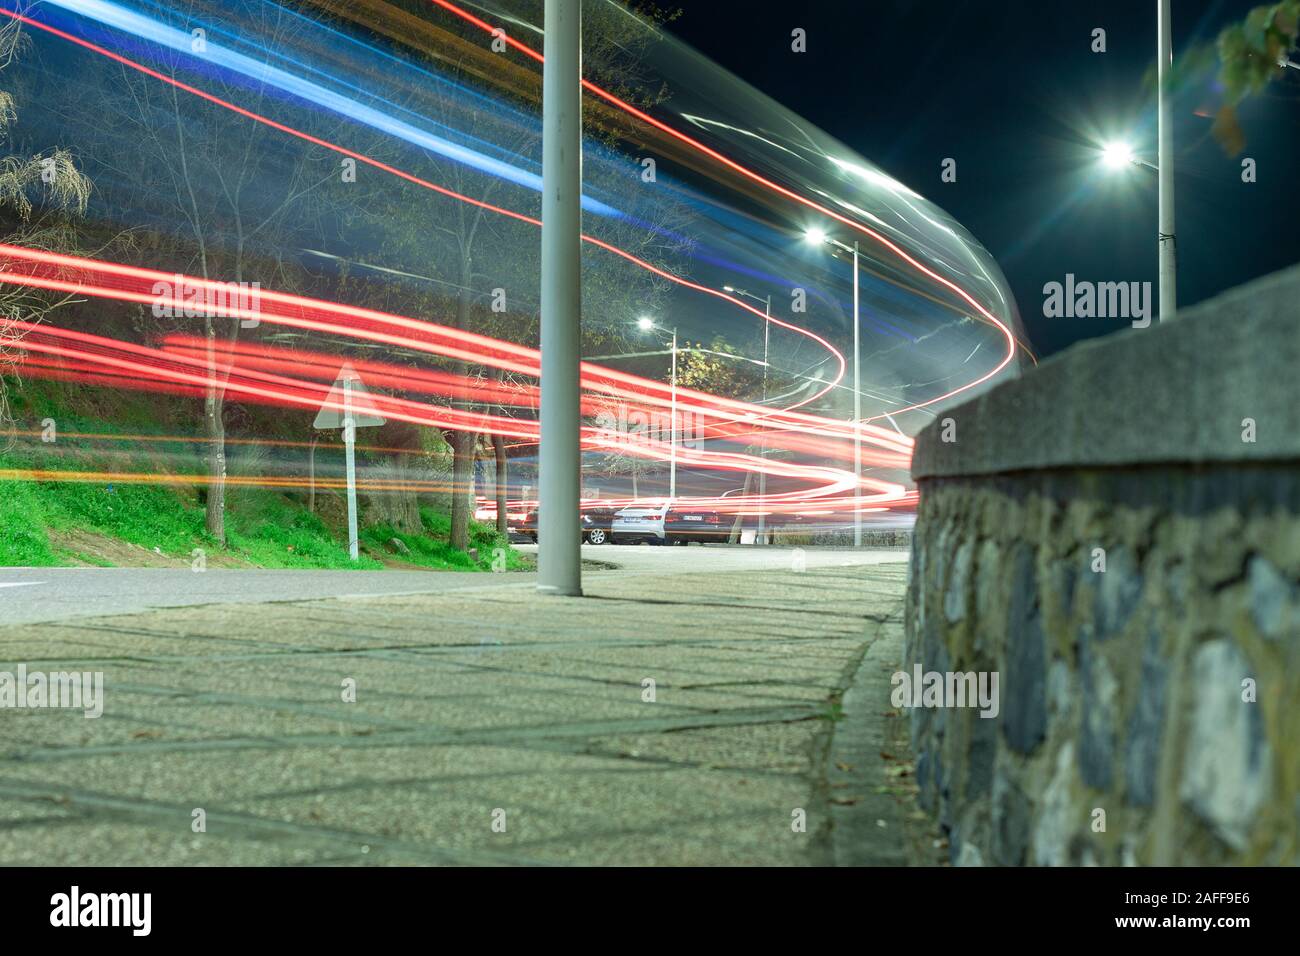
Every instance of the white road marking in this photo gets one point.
(19, 584)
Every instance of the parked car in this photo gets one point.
(639, 523)
(595, 525)
(684, 524)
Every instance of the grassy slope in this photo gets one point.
(265, 527)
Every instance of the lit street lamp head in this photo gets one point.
(1117, 155)
(815, 235)
(645, 323)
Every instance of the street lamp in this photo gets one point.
(1165, 159)
(818, 236)
(760, 536)
(647, 324)
(1117, 154)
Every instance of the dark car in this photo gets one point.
(684, 524)
(527, 527)
(595, 525)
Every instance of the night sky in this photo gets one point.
(1013, 92)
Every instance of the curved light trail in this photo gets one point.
(442, 190)
(189, 369)
(300, 378)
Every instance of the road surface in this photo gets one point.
(698, 706)
(36, 595)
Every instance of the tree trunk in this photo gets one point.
(215, 428)
(463, 441)
(499, 447)
(216, 495)
(462, 474)
(635, 494)
(396, 504)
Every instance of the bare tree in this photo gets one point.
(39, 196)
(235, 190)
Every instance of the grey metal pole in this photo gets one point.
(560, 485)
(672, 460)
(761, 536)
(857, 408)
(350, 453)
(1165, 162)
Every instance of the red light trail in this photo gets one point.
(441, 190)
(173, 368)
(800, 431)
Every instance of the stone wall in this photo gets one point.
(1142, 612)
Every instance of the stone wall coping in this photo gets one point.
(1176, 392)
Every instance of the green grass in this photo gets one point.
(23, 542)
(263, 527)
(151, 516)
(278, 535)
(91, 559)
(491, 545)
(433, 550)
(426, 552)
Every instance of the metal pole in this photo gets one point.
(857, 408)
(761, 537)
(672, 461)
(560, 484)
(349, 445)
(1165, 162)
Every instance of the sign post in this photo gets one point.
(348, 406)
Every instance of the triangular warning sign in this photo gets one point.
(348, 391)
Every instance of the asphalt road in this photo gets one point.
(42, 595)
(699, 706)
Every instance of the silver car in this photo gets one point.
(638, 523)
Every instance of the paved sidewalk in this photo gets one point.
(474, 706)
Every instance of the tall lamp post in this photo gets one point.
(560, 454)
(760, 537)
(1118, 155)
(647, 324)
(1168, 244)
(819, 237)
